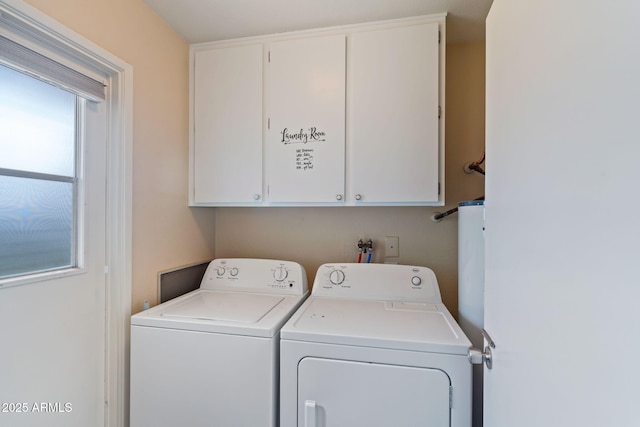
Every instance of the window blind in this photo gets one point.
(28, 61)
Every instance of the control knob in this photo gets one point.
(336, 277)
(280, 274)
(416, 281)
(220, 271)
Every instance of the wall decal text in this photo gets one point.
(302, 137)
(304, 159)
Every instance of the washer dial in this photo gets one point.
(280, 274)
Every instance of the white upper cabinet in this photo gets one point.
(340, 116)
(305, 144)
(393, 127)
(226, 147)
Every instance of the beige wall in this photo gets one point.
(313, 236)
(166, 233)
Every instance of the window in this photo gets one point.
(38, 175)
(42, 119)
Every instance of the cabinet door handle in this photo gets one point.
(358, 196)
(338, 196)
(256, 197)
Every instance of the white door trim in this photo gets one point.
(119, 194)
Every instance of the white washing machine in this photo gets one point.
(373, 346)
(210, 357)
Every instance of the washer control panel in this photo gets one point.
(377, 281)
(255, 275)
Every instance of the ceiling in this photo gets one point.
(209, 20)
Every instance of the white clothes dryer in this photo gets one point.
(373, 346)
(210, 357)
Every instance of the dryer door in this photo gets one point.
(334, 393)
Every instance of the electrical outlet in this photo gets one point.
(391, 246)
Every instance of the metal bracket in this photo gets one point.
(487, 337)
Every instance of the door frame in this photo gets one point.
(118, 195)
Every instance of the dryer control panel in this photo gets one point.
(389, 282)
(255, 275)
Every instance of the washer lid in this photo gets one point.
(224, 306)
(236, 313)
(398, 325)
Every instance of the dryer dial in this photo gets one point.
(336, 277)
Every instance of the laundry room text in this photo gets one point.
(302, 137)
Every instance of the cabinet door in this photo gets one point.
(307, 120)
(227, 146)
(393, 140)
